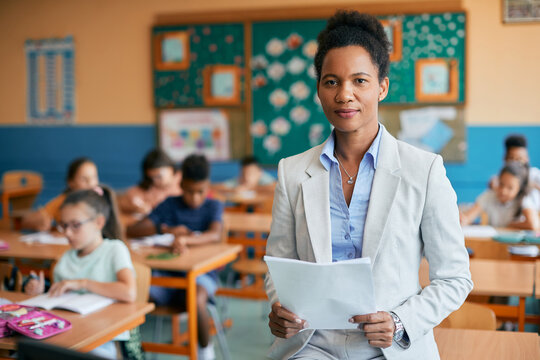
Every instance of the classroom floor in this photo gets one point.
(248, 339)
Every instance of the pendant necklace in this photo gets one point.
(350, 181)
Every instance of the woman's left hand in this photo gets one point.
(61, 287)
(379, 328)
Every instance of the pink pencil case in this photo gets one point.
(4, 245)
(11, 311)
(39, 324)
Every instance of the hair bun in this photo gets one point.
(364, 22)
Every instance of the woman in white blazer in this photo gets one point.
(362, 193)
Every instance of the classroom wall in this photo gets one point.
(114, 86)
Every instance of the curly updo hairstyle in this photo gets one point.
(348, 28)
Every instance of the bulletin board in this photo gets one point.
(185, 56)
(271, 57)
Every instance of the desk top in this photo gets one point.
(248, 222)
(89, 330)
(195, 259)
(18, 249)
(483, 344)
(537, 278)
(495, 277)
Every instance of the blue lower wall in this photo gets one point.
(118, 150)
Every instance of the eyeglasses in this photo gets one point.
(74, 226)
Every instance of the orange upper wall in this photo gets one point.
(113, 70)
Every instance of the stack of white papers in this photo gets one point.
(164, 240)
(325, 295)
(479, 231)
(44, 238)
(527, 250)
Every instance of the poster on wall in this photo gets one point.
(202, 131)
(50, 81)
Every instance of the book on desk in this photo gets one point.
(72, 301)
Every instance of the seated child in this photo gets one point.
(193, 219)
(252, 177)
(82, 174)
(516, 150)
(93, 264)
(161, 179)
(511, 203)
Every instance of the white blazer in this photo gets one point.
(412, 212)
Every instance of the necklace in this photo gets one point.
(350, 181)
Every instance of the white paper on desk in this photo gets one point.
(479, 231)
(326, 295)
(164, 240)
(44, 238)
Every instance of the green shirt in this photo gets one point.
(102, 264)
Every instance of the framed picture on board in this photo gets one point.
(516, 11)
(187, 131)
(393, 30)
(436, 80)
(221, 85)
(171, 50)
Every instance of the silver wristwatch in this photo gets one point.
(399, 330)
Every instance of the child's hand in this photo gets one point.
(179, 245)
(177, 231)
(36, 285)
(61, 287)
(45, 221)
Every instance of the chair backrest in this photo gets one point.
(8, 273)
(144, 275)
(471, 316)
(249, 230)
(22, 178)
(20, 189)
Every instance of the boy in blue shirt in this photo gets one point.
(193, 219)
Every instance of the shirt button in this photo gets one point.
(350, 255)
(347, 236)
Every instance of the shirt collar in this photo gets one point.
(327, 156)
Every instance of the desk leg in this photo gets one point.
(521, 314)
(192, 315)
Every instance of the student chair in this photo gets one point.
(471, 316)
(249, 230)
(11, 278)
(20, 189)
(143, 275)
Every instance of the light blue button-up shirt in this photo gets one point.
(347, 222)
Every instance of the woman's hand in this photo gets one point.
(379, 328)
(36, 285)
(283, 323)
(62, 287)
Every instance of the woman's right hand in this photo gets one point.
(283, 323)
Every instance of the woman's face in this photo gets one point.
(508, 187)
(86, 177)
(349, 89)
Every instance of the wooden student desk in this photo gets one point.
(21, 250)
(498, 278)
(196, 261)
(485, 247)
(91, 330)
(462, 344)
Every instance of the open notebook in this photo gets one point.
(80, 303)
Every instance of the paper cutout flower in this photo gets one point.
(299, 115)
(229, 39)
(259, 62)
(272, 144)
(259, 81)
(275, 47)
(310, 49)
(258, 128)
(279, 98)
(294, 41)
(315, 134)
(296, 65)
(280, 126)
(212, 47)
(317, 101)
(276, 71)
(311, 72)
(299, 90)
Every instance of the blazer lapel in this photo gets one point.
(316, 196)
(383, 191)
